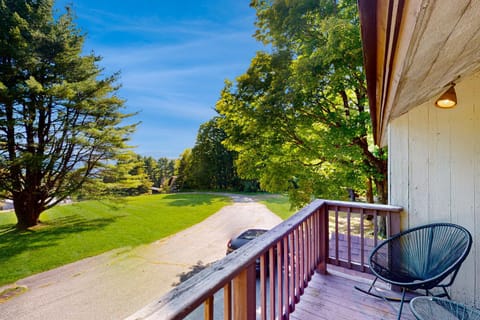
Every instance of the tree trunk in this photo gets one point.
(369, 193)
(27, 209)
(382, 192)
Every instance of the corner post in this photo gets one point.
(244, 294)
(323, 229)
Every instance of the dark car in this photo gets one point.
(244, 238)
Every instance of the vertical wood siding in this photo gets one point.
(434, 173)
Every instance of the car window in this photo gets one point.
(252, 234)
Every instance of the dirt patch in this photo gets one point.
(11, 293)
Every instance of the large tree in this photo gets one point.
(60, 118)
(182, 171)
(212, 163)
(299, 116)
(127, 177)
(159, 171)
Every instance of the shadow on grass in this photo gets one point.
(14, 242)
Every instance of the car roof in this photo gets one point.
(252, 233)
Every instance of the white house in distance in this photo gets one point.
(414, 51)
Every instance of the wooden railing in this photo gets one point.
(265, 278)
(364, 225)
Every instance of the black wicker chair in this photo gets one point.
(424, 257)
(432, 308)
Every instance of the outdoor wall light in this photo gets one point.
(448, 99)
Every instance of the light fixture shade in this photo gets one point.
(448, 99)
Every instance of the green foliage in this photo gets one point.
(298, 118)
(159, 171)
(60, 118)
(211, 165)
(97, 226)
(183, 170)
(126, 177)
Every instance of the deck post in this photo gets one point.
(393, 224)
(244, 294)
(393, 227)
(323, 229)
(208, 308)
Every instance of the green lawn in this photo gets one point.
(278, 204)
(73, 232)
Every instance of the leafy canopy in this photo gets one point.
(298, 117)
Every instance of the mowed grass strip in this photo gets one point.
(278, 204)
(72, 232)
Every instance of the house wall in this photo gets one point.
(434, 173)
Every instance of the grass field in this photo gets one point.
(73, 232)
(278, 204)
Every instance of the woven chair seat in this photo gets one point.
(432, 308)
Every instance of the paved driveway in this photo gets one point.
(118, 283)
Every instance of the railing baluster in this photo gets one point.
(362, 240)
(301, 249)
(227, 301)
(336, 237)
(286, 271)
(291, 249)
(349, 238)
(297, 265)
(271, 279)
(208, 308)
(305, 255)
(280, 278)
(263, 288)
(308, 244)
(317, 238)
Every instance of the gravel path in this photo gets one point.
(118, 283)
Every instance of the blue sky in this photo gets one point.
(174, 57)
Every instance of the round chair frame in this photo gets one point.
(424, 257)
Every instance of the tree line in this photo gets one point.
(296, 121)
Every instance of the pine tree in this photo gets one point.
(60, 117)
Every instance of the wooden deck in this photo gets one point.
(333, 296)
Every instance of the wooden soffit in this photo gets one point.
(413, 50)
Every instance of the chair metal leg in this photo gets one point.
(446, 293)
(401, 304)
(373, 293)
(373, 283)
(402, 300)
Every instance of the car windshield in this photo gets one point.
(252, 234)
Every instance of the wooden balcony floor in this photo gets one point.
(333, 296)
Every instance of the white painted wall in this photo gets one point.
(434, 173)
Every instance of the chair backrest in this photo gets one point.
(422, 256)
